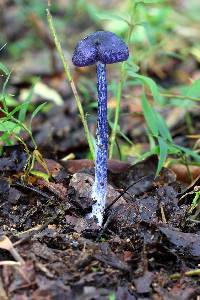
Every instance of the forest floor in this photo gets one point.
(149, 245)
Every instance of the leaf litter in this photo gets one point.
(145, 250)
(148, 247)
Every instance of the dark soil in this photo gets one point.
(148, 248)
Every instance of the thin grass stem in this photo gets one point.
(71, 82)
(120, 87)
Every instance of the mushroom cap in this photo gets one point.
(103, 46)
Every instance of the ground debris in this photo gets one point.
(186, 243)
(70, 256)
(144, 282)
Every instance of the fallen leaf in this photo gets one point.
(6, 244)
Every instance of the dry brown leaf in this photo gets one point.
(181, 172)
(6, 244)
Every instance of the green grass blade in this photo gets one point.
(163, 151)
(35, 112)
(9, 126)
(149, 83)
(162, 127)
(150, 116)
(24, 108)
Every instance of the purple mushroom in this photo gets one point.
(100, 48)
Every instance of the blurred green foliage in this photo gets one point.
(158, 24)
(162, 33)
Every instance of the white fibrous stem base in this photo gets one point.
(98, 207)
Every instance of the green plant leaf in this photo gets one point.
(194, 89)
(149, 83)
(119, 132)
(149, 2)
(124, 137)
(134, 67)
(162, 127)
(4, 92)
(150, 116)
(145, 155)
(111, 296)
(188, 152)
(10, 100)
(172, 149)
(151, 139)
(107, 16)
(40, 174)
(9, 126)
(16, 109)
(24, 108)
(35, 112)
(4, 69)
(5, 138)
(163, 151)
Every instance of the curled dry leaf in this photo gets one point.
(182, 174)
(6, 244)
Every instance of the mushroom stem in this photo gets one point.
(99, 188)
(101, 47)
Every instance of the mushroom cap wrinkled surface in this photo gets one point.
(103, 46)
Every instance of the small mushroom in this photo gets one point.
(100, 48)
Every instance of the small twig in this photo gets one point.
(109, 219)
(124, 191)
(180, 97)
(120, 84)
(28, 234)
(32, 189)
(176, 276)
(105, 226)
(193, 272)
(71, 82)
(163, 214)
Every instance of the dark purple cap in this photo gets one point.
(103, 46)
